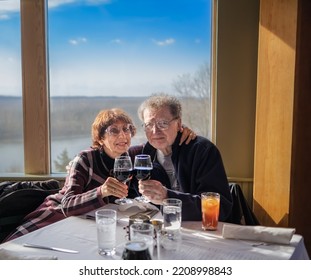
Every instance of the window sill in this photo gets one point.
(31, 177)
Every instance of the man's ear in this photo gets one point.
(179, 125)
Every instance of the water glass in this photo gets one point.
(171, 235)
(143, 232)
(106, 224)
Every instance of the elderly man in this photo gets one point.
(180, 171)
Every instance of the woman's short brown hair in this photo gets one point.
(106, 118)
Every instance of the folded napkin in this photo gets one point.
(126, 210)
(259, 233)
(6, 254)
(137, 205)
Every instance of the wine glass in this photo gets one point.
(122, 171)
(143, 166)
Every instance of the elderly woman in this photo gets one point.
(184, 171)
(89, 183)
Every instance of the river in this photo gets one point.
(12, 155)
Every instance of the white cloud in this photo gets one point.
(116, 41)
(98, 2)
(166, 42)
(78, 41)
(4, 16)
(8, 7)
(57, 3)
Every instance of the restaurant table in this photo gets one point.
(79, 233)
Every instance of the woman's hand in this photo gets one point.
(153, 190)
(187, 135)
(113, 187)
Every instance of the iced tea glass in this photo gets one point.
(210, 202)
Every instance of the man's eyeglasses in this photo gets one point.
(161, 124)
(115, 131)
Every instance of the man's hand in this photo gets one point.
(153, 190)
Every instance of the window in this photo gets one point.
(11, 115)
(105, 54)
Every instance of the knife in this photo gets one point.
(50, 248)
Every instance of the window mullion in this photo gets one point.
(35, 87)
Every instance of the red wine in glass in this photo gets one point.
(143, 173)
(143, 166)
(122, 171)
(123, 175)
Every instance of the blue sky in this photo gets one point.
(112, 47)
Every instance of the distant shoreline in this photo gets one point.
(82, 96)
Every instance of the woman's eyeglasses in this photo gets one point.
(161, 124)
(115, 131)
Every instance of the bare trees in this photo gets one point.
(194, 90)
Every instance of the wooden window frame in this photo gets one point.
(37, 155)
(35, 87)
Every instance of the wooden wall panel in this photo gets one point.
(274, 116)
(283, 125)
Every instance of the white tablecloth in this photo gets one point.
(79, 233)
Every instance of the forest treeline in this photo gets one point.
(70, 116)
(73, 116)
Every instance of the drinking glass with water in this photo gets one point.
(106, 224)
(171, 223)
